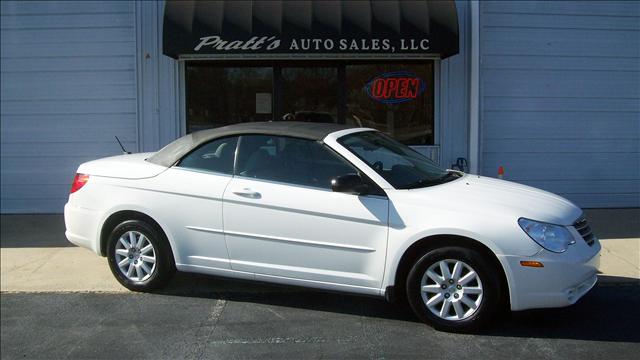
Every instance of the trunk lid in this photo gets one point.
(129, 166)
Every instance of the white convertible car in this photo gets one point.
(331, 207)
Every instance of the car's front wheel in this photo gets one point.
(454, 289)
(139, 256)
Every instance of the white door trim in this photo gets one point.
(474, 93)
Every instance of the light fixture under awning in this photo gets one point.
(311, 28)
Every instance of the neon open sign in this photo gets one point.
(395, 87)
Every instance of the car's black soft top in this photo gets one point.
(170, 154)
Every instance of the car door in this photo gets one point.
(281, 218)
(192, 192)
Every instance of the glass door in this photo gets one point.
(309, 94)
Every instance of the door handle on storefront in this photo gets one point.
(246, 192)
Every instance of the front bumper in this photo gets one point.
(563, 280)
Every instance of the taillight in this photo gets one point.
(78, 182)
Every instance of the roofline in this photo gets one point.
(340, 133)
(175, 150)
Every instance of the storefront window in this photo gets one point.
(218, 96)
(310, 93)
(394, 97)
(410, 120)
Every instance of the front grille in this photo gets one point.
(582, 226)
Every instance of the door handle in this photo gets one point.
(246, 192)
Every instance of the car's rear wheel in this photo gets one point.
(454, 289)
(139, 256)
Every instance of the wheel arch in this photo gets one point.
(419, 247)
(123, 215)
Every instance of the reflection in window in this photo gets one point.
(332, 91)
(401, 166)
(218, 96)
(410, 122)
(310, 93)
(216, 156)
(289, 160)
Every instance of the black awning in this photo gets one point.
(311, 28)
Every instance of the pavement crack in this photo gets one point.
(218, 308)
(276, 313)
(371, 341)
(206, 328)
(42, 263)
(635, 266)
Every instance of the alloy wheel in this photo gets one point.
(135, 256)
(451, 289)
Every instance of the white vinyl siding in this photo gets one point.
(560, 97)
(68, 87)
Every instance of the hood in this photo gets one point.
(473, 193)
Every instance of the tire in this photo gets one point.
(482, 291)
(140, 273)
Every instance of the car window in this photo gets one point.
(401, 166)
(217, 156)
(290, 160)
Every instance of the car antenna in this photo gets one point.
(122, 147)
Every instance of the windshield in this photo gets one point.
(400, 165)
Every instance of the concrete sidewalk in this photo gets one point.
(36, 257)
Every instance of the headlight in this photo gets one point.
(554, 238)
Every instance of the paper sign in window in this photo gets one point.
(263, 103)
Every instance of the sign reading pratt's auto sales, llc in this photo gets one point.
(310, 29)
(266, 44)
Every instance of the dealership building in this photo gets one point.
(548, 91)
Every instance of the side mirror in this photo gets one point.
(349, 184)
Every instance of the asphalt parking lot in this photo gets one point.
(263, 321)
(60, 302)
